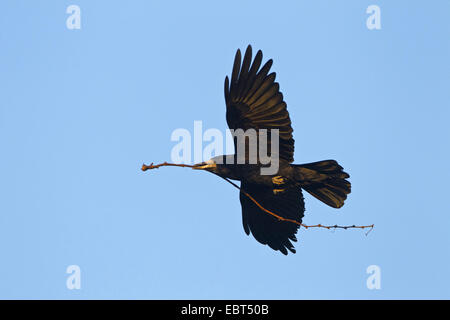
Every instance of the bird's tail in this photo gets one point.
(325, 180)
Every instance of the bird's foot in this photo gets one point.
(278, 180)
(277, 191)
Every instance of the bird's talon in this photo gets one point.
(278, 180)
(276, 191)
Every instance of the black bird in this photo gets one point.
(254, 101)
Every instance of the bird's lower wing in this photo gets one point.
(266, 228)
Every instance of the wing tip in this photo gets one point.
(227, 90)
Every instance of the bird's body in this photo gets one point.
(255, 104)
(250, 172)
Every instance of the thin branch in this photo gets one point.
(295, 221)
(166, 164)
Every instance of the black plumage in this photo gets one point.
(254, 101)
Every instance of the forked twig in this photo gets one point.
(166, 164)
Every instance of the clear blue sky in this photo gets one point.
(81, 110)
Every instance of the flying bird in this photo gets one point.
(254, 102)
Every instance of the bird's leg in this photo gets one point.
(277, 191)
(278, 180)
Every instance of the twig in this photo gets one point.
(295, 221)
(166, 164)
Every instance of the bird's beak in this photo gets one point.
(207, 165)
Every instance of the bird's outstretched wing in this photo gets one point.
(268, 229)
(254, 100)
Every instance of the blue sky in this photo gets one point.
(81, 110)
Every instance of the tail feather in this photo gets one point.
(324, 180)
